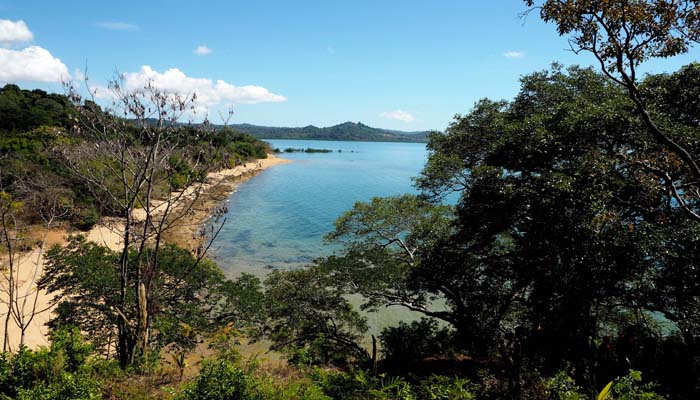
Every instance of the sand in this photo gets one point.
(217, 187)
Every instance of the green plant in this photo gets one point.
(562, 387)
(439, 387)
(629, 387)
(220, 379)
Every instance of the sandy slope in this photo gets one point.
(109, 233)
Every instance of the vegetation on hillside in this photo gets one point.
(38, 128)
(349, 131)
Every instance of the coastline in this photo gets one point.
(217, 188)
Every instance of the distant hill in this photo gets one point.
(346, 131)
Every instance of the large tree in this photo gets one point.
(557, 234)
(135, 159)
(621, 35)
(85, 277)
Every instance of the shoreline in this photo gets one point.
(217, 188)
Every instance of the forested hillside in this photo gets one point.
(344, 131)
(38, 128)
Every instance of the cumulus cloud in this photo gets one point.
(12, 32)
(398, 115)
(31, 64)
(202, 50)
(117, 26)
(514, 54)
(210, 94)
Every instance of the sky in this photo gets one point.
(408, 65)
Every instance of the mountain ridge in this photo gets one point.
(351, 131)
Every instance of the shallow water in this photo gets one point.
(278, 218)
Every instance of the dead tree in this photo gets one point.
(126, 159)
(22, 251)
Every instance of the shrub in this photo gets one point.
(220, 379)
(405, 344)
(86, 218)
(562, 387)
(439, 387)
(630, 387)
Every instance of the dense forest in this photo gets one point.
(346, 131)
(565, 269)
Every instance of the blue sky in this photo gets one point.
(409, 65)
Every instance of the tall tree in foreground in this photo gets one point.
(557, 239)
(134, 159)
(622, 35)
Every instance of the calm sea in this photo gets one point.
(278, 218)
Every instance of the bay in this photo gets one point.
(278, 218)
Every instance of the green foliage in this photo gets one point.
(85, 275)
(24, 110)
(86, 217)
(74, 387)
(313, 322)
(345, 131)
(630, 387)
(74, 348)
(361, 385)
(38, 136)
(562, 222)
(221, 379)
(62, 371)
(406, 344)
(439, 387)
(562, 386)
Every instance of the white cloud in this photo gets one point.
(514, 54)
(117, 26)
(399, 115)
(209, 94)
(14, 32)
(202, 50)
(31, 64)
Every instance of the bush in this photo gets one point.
(220, 379)
(86, 218)
(630, 387)
(562, 387)
(55, 373)
(69, 341)
(439, 387)
(361, 385)
(406, 344)
(68, 386)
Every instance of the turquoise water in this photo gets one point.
(278, 218)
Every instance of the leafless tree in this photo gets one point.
(126, 158)
(22, 251)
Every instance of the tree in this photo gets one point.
(184, 302)
(383, 241)
(130, 157)
(622, 35)
(22, 250)
(312, 320)
(556, 241)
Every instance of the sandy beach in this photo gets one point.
(216, 188)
